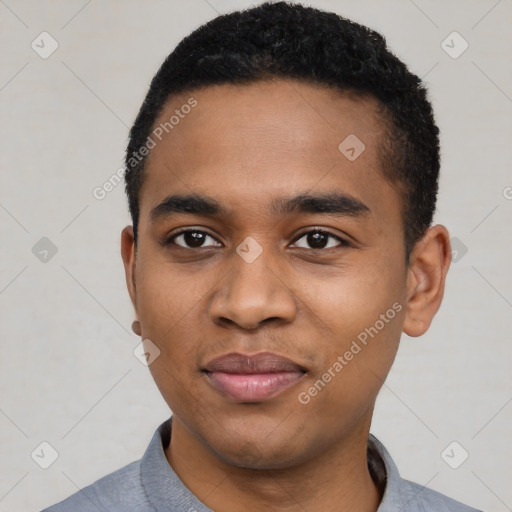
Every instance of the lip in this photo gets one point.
(253, 378)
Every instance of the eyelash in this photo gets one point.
(342, 242)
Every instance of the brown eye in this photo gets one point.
(191, 239)
(319, 239)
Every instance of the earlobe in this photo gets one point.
(428, 266)
(137, 328)
(129, 260)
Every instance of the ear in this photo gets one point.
(129, 259)
(426, 276)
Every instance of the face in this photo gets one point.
(291, 251)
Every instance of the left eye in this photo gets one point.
(318, 239)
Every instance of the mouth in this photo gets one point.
(255, 378)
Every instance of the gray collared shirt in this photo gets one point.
(151, 485)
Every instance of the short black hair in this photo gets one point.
(289, 40)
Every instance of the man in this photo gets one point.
(282, 178)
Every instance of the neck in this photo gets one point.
(335, 480)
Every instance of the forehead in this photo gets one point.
(275, 112)
(248, 143)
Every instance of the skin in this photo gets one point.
(243, 146)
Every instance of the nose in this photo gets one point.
(252, 294)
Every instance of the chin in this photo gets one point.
(257, 449)
(249, 456)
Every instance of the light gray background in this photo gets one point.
(67, 372)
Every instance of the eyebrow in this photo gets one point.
(328, 203)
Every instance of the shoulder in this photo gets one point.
(404, 495)
(130, 488)
(422, 498)
(120, 491)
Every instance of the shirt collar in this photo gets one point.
(162, 486)
(385, 472)
(166, 492)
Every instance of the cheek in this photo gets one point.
(352, 299)
(180, 389)
(172, 324)
(167, 298)
(356, 360)
(169, 319)
(363, 311)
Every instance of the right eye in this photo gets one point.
(190, 239)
